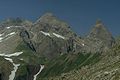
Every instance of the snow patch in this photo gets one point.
(10, 55)
(59, 36)
(8, 27)
(21, 59)
(32, 32)
(83, 44)
(45, 33)
(9, 59)
(48, 34)
(12, 75)
(10, 34)
(12, 26)
(1, 34)
(106, 72)
(35, 76)
(6, 36)
(1, 39)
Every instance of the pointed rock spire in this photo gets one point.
(48, 14)
(98, 29)
(100, 37)
(98, 21)
(47, 17)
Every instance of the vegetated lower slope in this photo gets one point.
(29, 63)
(107, 67)
(68, 62)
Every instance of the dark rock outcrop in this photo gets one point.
(26, 38)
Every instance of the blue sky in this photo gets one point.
(80, 14)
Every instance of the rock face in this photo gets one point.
(50, 23)
(51, 36)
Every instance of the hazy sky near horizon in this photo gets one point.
(80, 14)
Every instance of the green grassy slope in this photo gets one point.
(68, 62)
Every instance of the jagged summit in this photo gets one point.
(51, 19)
(99, 30)
(98, 21)
(48, 14)
(100, 37)
(50, 23)
(46, 17)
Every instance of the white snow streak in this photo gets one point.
(45, 33)
(1, 39)
(12, 75)
(21, 59)
(35, 76)
(12, 26)
(83, 44)
(59, 36)
(10, 55)
(9, 59)
(48, 34)
(11, 33)
(6, 36)
(8, 27)
(1, 34)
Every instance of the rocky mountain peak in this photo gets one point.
(99, 37)
(48, 14)
(46, 17)
(99, 25)
(50, 23)
(98, 21)
(99, 30)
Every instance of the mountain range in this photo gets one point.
(48, 49)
